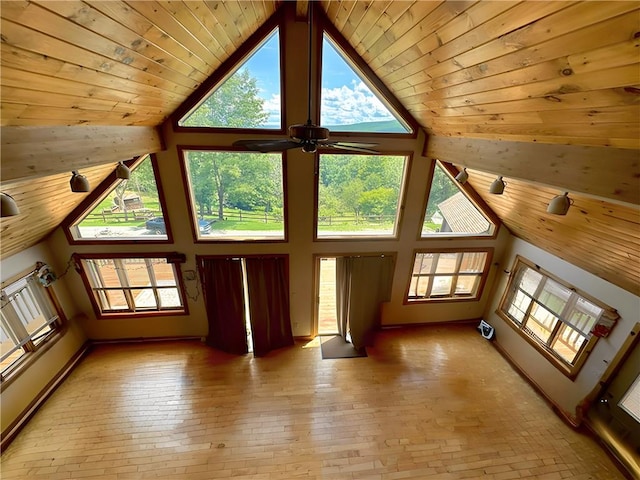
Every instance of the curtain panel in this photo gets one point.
(222, 288)
(268, 288)
(362, 284)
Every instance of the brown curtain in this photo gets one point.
(268, 288)
(221, 280)
(362, 284)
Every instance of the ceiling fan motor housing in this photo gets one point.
(308, 132)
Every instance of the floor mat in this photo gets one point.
(336, 347)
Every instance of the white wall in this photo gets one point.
(564, 392)
(28, 384)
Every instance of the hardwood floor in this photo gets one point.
(427, 403)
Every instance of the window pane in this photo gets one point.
(423, 263)
(347, 103)
(249, 98)
(129, 210)
(568, 343)
(114, 300)
(519, 306)
(554, 296)
(467, 284)
(473, 262)
(584, 315)
(237, 196)
(447, 263)
(359, 195)
(530, 280)
(144, 298)
(450, 212)
(541, 322)
(136, 272)
(631, 400)
(164, 273)
(441, 286)
(106, 273)
(169, 298)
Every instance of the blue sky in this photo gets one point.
(345, 98)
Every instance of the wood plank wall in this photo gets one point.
(599, 237)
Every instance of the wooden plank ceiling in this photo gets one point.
(556, 73)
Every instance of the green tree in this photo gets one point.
(235, 104)
(442, 188)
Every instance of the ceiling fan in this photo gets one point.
(305, 135)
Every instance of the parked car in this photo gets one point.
(156, 225)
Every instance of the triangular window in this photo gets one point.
(130, 210)
(249, 97)
(450, 212)
(348, 103)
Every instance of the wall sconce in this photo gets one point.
(559, 205)
(497, 186)
(122, 171)
(8, 206)
(462, 176)
(79, 183)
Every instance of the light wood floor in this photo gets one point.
(427, 403)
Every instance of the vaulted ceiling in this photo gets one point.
(545, 93)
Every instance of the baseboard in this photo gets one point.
(571, 420)
(14, 428)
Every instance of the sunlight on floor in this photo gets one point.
(315, 343)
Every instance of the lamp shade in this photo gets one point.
(9, 206)
(79, 183)
(122, 171)
(463, 176)
(497, 186)
(559, 205)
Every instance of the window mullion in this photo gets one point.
(434, 267)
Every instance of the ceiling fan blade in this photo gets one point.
(351, 146)
(266, 146)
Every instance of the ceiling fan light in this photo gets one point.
(559, 205)
(78, 182)
(309, 147)
(462, 176)
(497, 186)
(122, 171)
(8, 206)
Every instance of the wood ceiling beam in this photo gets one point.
(606, 173)
(30, 152)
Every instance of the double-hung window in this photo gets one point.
(29, 320)
(135, 285)
(554, 317)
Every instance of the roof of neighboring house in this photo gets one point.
(462, 216)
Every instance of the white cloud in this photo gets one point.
(344, 105)
(272, 107)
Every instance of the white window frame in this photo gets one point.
(24, 299)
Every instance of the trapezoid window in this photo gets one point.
(249, 97)
(133, 285)
(448, 275)
(450, 212)
(236, 195)
(359, 195)
(348, 103)
(130, 210)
